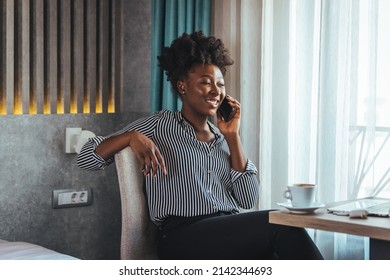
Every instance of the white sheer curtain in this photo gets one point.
(321, 84)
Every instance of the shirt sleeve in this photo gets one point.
(245, 186)
(89, 160)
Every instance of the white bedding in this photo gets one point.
(28, 251)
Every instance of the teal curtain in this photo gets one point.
(170, 19)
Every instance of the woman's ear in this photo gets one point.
(181, 87)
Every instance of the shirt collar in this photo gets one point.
(183, 122)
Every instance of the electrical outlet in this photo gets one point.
(71, 198)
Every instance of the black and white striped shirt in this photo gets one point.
(200, 180)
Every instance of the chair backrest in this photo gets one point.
(138, 236)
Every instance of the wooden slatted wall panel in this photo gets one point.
(60, 56)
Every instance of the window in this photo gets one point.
(329, 99)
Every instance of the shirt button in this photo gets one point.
(209, 171)
(214, 207)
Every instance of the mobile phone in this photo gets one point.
(226, 110)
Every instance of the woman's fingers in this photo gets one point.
(148, 154)
(160, 161)
(154, 161)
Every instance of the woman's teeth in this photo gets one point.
(212, 102)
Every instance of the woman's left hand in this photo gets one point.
(230, 131)
(233, 125)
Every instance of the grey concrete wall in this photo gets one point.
(33, 162)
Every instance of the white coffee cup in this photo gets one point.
(301, 195)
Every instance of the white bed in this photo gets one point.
(29, 251)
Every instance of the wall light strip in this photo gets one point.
(59, 57)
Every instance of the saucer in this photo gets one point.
(301, 210)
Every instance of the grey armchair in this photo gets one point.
(138, 236)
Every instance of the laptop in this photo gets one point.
(375, 206)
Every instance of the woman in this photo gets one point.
(197, 176)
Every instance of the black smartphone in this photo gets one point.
(226, 110)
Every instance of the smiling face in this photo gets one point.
(203, 91)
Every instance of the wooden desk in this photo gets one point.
(376, 228)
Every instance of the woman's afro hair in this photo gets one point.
(189, 49)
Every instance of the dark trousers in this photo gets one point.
(242, 236)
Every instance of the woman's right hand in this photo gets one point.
(145, 150)
(147, 153)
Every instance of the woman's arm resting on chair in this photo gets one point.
(145, 149)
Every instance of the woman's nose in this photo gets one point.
(215, 89)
